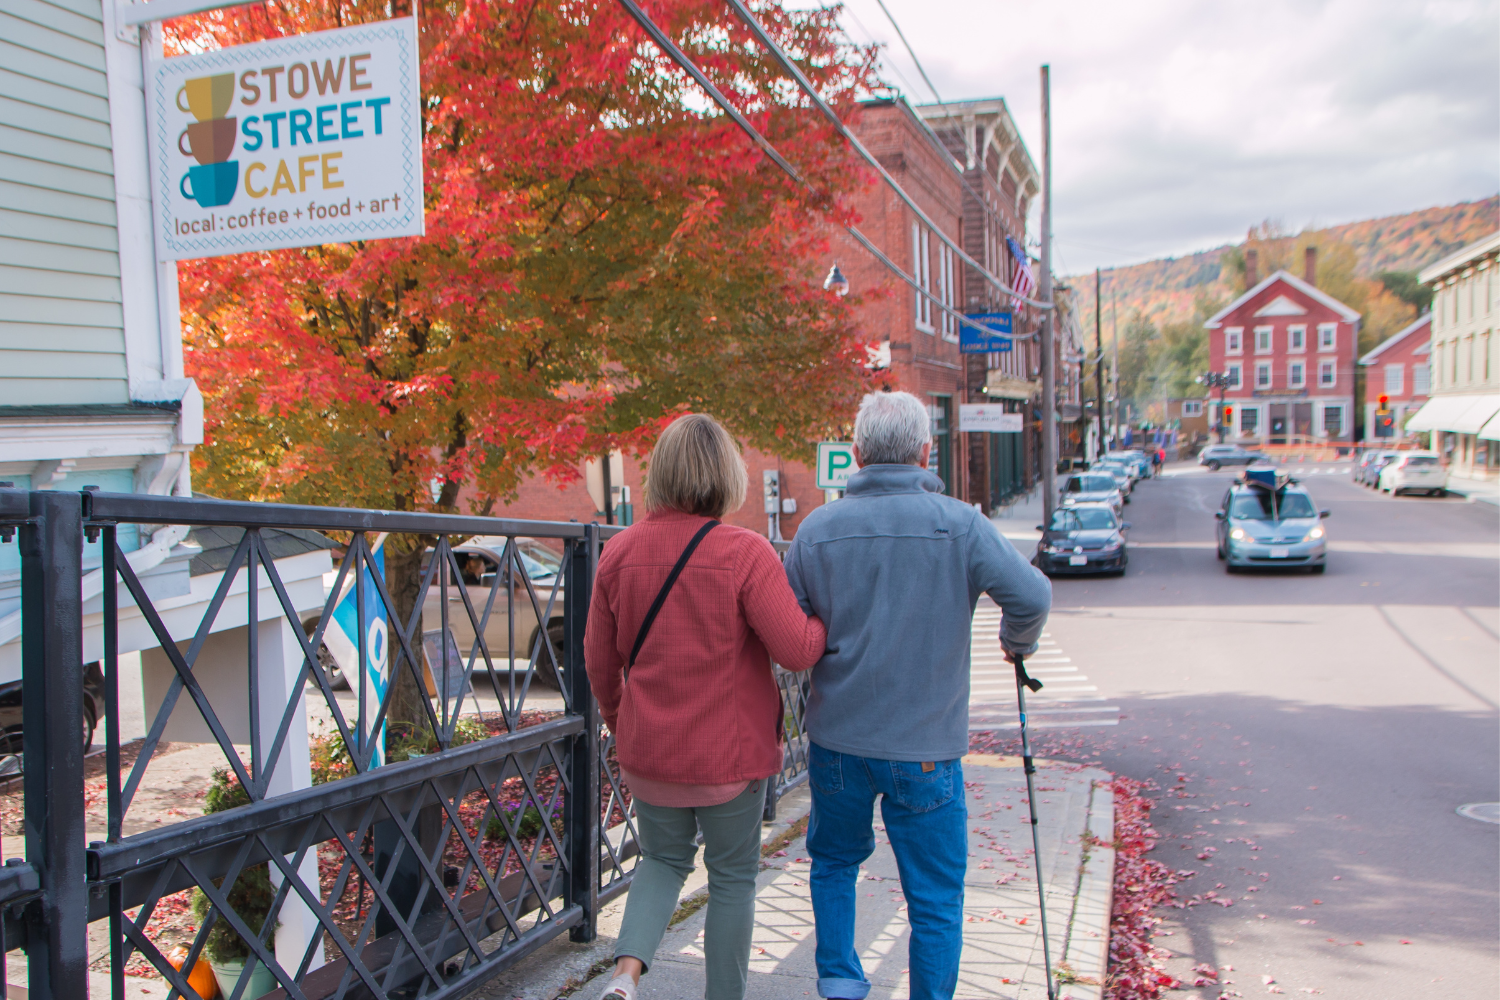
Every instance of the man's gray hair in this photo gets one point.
(891, 429)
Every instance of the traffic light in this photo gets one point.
(1385, 420)
(1385, 401)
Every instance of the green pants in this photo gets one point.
(731, 852)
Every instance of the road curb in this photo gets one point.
(1087, 951)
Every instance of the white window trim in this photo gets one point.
(1263, 366)
(1296, 374)
(922, 271)
(1234, 340)
(1192, 408)
(945, 289)
(1327, 328)
(1291, 346)
(1270, 332)
(1331, 366)
(1322, 413)
(1237, 375)
(1399, 371)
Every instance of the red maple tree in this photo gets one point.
(602, 252)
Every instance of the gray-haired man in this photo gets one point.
(894, 570)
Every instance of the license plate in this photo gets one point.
(1280, 553)
(1078, 560)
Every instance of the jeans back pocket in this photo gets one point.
(825, 770)
(922, 791)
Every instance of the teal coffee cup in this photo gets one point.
(211, 184)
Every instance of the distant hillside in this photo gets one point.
(1165, 290)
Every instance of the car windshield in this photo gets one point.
(1083, 519)
(539, 561)
(1091, 484)
(1256, 506)
(1417, 460)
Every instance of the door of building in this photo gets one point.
(940, 459)
(1302, 419)
(1278, 422)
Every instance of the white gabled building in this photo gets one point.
(1462, 412)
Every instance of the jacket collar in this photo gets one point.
(877, 479)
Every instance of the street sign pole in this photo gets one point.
(1049, 361)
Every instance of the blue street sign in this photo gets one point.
(992, 334)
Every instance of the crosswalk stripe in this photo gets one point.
(1066, 700)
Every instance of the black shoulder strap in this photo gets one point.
(666, 588)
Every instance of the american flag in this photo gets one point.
(1022, 280)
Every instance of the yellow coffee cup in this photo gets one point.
(208, 97)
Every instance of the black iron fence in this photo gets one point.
(379, 857)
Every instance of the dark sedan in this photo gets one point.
(1083, 538)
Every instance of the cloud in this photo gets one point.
(1179, 124)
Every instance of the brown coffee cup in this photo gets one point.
(207, 97)
(210, 141)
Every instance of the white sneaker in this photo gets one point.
(622, 987)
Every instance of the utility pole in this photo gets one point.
(1049, 355)
(1114, 349)
(1099, 361)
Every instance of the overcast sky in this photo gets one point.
(1180, 123)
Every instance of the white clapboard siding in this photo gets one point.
(61, 326)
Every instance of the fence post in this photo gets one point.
(583, 804)
(52, 717)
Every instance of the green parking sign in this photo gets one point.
(835, 464)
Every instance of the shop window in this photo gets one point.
(1333, 420)
(1249, 419)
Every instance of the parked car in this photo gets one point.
(1412, 472)
(1270, 521)
(1378, 461)
(479, 560)
(11, 735)
(1357, 473)
(1216, 456)
(1083, 538)
(1093, 487)
(1134, 459)
(1123, 478)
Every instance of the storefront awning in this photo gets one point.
(1491, 430)
(1462, 414)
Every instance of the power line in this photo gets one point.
(678, 56)
(802, 81)
(909, 50)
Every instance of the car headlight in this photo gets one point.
(1113, 545)
(1238, 534)
(1315, 534)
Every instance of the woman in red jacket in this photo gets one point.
(689, 693)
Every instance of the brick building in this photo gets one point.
(965, 165)
(1289, 351)
(1398, 368)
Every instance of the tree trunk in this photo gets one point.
(403, 578)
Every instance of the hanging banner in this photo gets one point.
(291, 142)
(342, 639)
(990, 417)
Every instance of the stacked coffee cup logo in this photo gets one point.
(210, 140)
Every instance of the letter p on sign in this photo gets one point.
(835, 464)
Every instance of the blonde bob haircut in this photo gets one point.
(696, 468)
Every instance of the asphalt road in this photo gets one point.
(1313, 737)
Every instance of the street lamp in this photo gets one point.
(836, 282)
(1220, 381)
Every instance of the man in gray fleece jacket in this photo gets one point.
(894, 570)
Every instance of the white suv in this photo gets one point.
(1412, 471)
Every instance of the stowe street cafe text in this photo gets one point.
(291, 142)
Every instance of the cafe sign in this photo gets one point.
(290, 142)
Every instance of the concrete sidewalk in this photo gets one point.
(1480, 490)
(1002, 955)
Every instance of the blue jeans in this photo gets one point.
(926, 820)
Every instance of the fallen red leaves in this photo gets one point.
(1135, 971)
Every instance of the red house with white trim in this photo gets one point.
(1288, 349)
(1399, 367)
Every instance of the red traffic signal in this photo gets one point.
(1384, 399)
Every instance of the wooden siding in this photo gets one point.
(62, 334)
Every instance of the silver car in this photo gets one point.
(1261, 526)
(1093, 487)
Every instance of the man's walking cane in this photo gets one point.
(1024, 681)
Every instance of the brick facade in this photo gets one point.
(1293, 349)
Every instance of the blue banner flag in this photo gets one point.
(369, 679)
